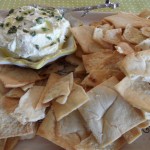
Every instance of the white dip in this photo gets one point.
(33, 32)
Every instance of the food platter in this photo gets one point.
(39, 143)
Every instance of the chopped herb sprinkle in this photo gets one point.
(26, 31)
(1, 25)
(33, 33)
(25, 13)
(52, 43)
(58, 17)
(19, 18)
(12, 30)
(7, 24)
(45, 29)
(44, 13)
(37, 46)
(11, 11)
(58, 39)
(39, 20)
(48, 37)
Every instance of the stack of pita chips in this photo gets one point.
(94, 99)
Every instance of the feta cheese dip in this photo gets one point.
(33, 32)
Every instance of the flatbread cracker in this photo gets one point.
(133, 35)
(102, 60)
(135, 92)
(132, 135)
(76, 99)
(25, 111)
(137, 65)
(145, 14)
(27, 87)
(122, 19)
(113, 36)
(11, 143)
(90, 143)
(15, 93)
(146, 31)
(88, 44)
(144, 125)
(14, 76)
(144, 45)
(2, 143)
(124, 48)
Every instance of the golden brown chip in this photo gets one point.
(14, 76)
(101, 60)
(90, 143)
(28, 86)
(75, 100)
(133, 35)
(79, 51)
(121, 20)
(113, 36)
(145, 14)
(25, 111)
(2, 144)
(137, 65)
(146, 31)
(11, 143)
(136, 92)
(144, 125)
(88, 44)
(144, 45)
(124, 48)
(15, 93)
(132, 135)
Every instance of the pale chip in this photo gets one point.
(122, 19)
(113, 36)
(133, 35)
(15, 93)
(11, 143)
(137, 65)
(144, 45)
(135, 92)
(124, 48)
(14, 76)
(84, 35)
(75, 100)
(132, 135)
(25, 111)
(60, 90)
(146, 31)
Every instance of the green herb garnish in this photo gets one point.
(12, 30)
(11, 11)
(26, 31)
(25, 13)
(48, 37)
(39, 20)
(52, 43)
(1, 25)
(58, 17)
(58, 39)
(33, 33)
(45, 29)
(7, 24)
(37, 46)
(44, 13)
(51, 14)
(19, 18)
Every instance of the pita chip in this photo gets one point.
(27, 87)
(60, 90)
(145, 14)
(11, 143)
(144, 45)
(137, 65)
(14, 76)
(84, 35)
(135, 92)
(90, 143)
(15, 93)
(75, 100)
(132, 135)
(146, 31)
(144, 125)
(25, 111)
(2, 143)
(101, 60)
(122, 19)
(61, 133)
(113, 36)
(133, 35)
(124, 48)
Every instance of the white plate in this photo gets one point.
(38, 143)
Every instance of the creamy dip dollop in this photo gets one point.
(33, 32)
